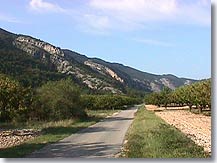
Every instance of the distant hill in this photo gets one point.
(34, 62)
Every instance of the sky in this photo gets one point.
(155, 36)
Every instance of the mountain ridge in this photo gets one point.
(95, 73)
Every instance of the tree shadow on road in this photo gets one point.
(82, 150)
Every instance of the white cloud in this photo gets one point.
(94, 24)
(42, 6)
(145, 9)
(151, 11)
(103, 16)
(154, 42)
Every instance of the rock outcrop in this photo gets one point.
(43, 50)
(167, 83)
(103, 70)
(47, 52)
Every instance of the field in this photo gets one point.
(151, 137)
(195, 126)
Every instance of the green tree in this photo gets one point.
(103, 102)
(153, 98)
(59, 100)
(202, 94)
(14, 100)
(166, 96)
(198, 94)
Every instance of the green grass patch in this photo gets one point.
(151, 137)
(51, 132)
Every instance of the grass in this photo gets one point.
(51, 132)
(151, 137)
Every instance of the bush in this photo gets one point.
(14, 100)
(58, 100)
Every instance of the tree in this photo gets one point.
(198, 94)
(14, 99)
(59, 100)
(202, 92)
(103, 102)
(166, 96)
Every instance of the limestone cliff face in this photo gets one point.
(41, 49)
(25, 40)
(167, 83)
(157, 85)
(103, 69)
(55, 55)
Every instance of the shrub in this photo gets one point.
(58, 100)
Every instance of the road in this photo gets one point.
(102, 140)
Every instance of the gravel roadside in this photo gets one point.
(9, 138)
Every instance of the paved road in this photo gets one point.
(102, 140)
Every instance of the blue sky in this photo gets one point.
(156, 36)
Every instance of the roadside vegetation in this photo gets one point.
(196, 96)
(108, 102)
(150, 137)
(53, 101)
(57, 109)
(50, 132)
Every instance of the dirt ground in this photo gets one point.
(195, 126)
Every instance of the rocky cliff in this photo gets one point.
(47, 52)
(103, 70)
(95, 73)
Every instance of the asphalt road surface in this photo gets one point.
(102, 140)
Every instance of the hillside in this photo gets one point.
(131, 77)
(33, 62)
